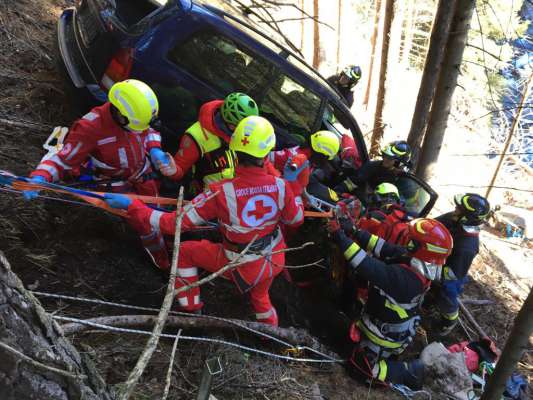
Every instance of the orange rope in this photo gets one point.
(159, 201)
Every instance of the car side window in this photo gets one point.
(218, 61)
(291, 105)
(417, 200)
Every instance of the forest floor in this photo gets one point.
(80, 251)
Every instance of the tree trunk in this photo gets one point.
(410, 23)
(302, 26)
(373, 52)
(316, 36)
(441, 108)
(396, 34)
(339, 15)
(512, 352)
(377, 133)
(37, 362)
(430, 77)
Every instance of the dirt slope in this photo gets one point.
(76, 250)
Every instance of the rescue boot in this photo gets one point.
(446, 326)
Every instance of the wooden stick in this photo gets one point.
(472, 320)
(170, 365)
(152, 342)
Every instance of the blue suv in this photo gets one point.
(190, 53)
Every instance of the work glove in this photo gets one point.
(33, 194)
(164, 162)
(396, 251)
(347, 226)
(158, 157)
(117, 201)
(333, 225)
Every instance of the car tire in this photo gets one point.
(80, 100)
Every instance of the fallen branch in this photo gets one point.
(472, 320)
(152, 342)
(476, 302)
(26, 125)
(38, 364)
(297, 337)
(170, 366)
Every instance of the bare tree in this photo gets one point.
(378, 130)
(410, 22)
(37, 362)
(373, 39)
(428, 85)
(512, 352)
(447, 83)
(302, 26)
(339, 34)
(316, 36)
(396, 33)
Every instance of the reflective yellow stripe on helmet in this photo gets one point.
(418, 227)
(464, 200)
(396, 151)
(436, 249)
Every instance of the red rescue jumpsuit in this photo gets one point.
(253, 203)
(348, 151)
(392, 225)
(98, 142)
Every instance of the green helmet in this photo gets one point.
(238, 106)
(385, 194)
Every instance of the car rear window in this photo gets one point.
(219, 62)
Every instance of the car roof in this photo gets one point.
(245, 31)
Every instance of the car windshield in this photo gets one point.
(291, 105)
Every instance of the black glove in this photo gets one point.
(347, 226)
(394, 251)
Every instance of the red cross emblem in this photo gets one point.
(260, 210)
(245, 141)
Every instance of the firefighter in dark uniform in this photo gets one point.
(345, 81)
(395, 159)
(389, 319)
(471, 210)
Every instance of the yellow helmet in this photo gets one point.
(254, 136)
(325, 142)
(136, 101)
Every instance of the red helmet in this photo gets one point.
(429, 241)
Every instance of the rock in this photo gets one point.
(446, 373)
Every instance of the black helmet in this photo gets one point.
(353, 72)
(473, 208)
(399, 151)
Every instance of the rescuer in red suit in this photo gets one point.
(252, 205)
